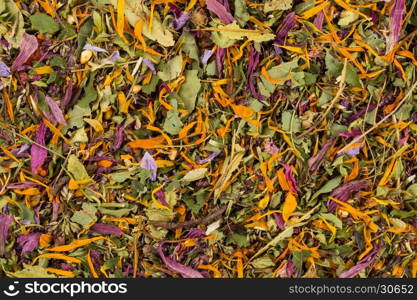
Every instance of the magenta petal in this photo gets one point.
(38, 153)
(220, 10)
(279, 220)
(220, 53)
(67, 97)
(56, 111)
(29, 242)
(287, 24)
(316, 161)
(253, 62)
(271, 148)
(28, 46)
(22, 185)
(55, 209)
(353, 133)
(176, 267)
(106, 229)
(318, 20)
(119, 137)
(289, 177)
(5, 222)
(395, 22)
(345, 191)
(161, 197)
(363, 263)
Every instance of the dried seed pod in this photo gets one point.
(86, 56)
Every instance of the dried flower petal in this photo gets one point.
(220, 10)
(29, 242)
(149, 163)
(5, 222)
(28, 46)
(38, 153)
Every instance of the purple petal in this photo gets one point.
(220, 10)
(360, 113)
(161, 197)
(271, 148)
(102, 157)
(362, 264)
(290, 268)
(194, 233)
(220, 53)
(28, 46)
(56, 111)
(353, 133)
(29, 242)
(395, 20)
(253, 62)
(315, 161)
(318, 20)
(67, 267)
(150, 65)
(289, 177)
(344, 192)
(279, 221)
(4, 70)
(181, 20)
(206, 56)
(22, 185)
(67, 97)
(208, 158)
(94, 48)
(114, 56)
(287, 24)
(405, 137)
(353, 151)
(119, 137)
(55, 208)
(5, 222)
(21, 151)
(176, 267)
(106, 229)
(38, 153)
(149, 163)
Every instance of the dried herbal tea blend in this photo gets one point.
(208, 138)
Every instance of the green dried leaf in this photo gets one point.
(171, 69)
(172, 123)
(76, 168)
(273, 5)
(241, 12)
(189, 90)
(195, 174)
(347, 17)
(263, 262)
(328, 186)
(234, 32)
(14, 33)
(290, 122)
(44, 23)
(29, 271)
